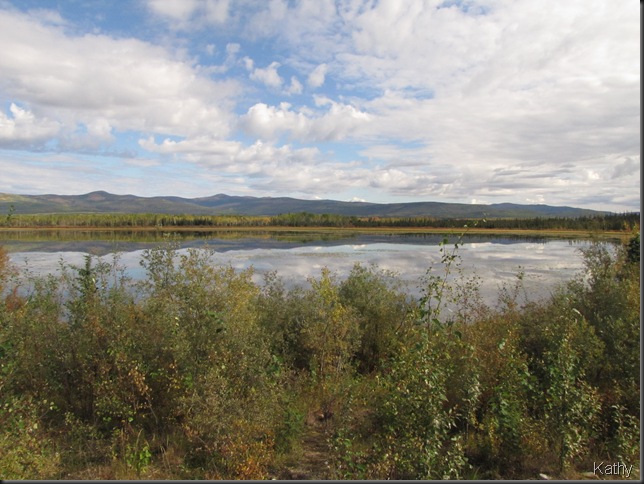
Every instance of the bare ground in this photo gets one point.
(313, 463)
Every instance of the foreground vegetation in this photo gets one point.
(200, 372)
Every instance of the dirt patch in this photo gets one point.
(314, 460)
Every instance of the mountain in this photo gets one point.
(103, 202)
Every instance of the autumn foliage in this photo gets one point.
(200, 371)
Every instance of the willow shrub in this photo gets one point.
(382, 308)
(200, 363)
(571, 403)
(4, 268)
(417, 435)
(502, 432)
(425, 395)
(324, 335)
(230, 387)
(26, 449)
(182, 356)
(608, 297)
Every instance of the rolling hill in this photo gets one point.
(103, 202)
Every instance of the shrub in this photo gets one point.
(330, 335)
(26, 451)
(571, 404)
(416, 438)
(201, 369)
(382, 309)
(502, 434)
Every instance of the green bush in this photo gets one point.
(198, 372)
(571, 403)
(383, 311)
(26, 451)
(417, 437)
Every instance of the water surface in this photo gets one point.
(297, 256)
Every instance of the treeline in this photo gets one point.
(198, 372)
(611, 222)
(132, 220)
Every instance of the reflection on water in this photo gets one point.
(109, 241)
(297, 256)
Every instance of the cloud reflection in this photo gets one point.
(544, 265)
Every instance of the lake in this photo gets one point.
(296, 256)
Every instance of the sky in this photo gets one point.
(473, 101)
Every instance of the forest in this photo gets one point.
(611, 222)
(198, 372)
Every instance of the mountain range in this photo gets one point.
(103, 202)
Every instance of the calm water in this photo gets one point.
(297, 256)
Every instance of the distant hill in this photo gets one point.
(103, 202)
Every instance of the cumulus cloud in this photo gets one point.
(22, 128)
(264, 163)
(97, 81)
(336, 122)
(267, 75)
(232, 49)
(314, 26)
(248, 63)
(485, 83)
(195, 149)
(268, 122)
(491, 100)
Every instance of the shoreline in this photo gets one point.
(567, 233)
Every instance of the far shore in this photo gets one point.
(574, 234)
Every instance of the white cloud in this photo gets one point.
(262, 162)
(315, 27)
(22, 128)
(48, 17)
(491, 100)
(179, 10)
(295, 87)
(269, 168)
(538, 200)
(268, 122)
(337, 122)
(268, 75)
(500, 82)
(126, 84)
(317, 76)
(216, 11)
(100, 128)
(248, 63)
(232, 49)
